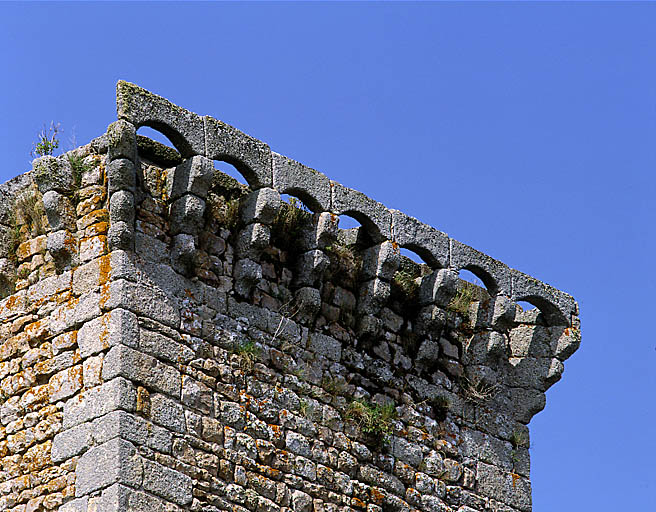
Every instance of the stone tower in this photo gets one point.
(175, 340)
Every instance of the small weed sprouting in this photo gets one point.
(299, 373)
(333, 385)
(289, 222)
(225, 212)
(28, 210)
(346, 260)
(373, 420)
(519, 439)
(441, 406)
(305, 409)
(78, 167)
(47, 141)
(463, 298)
(477, 391)
(248, 354)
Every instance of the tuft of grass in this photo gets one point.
(519, 439)
(248, 354)
(464, 297)
(304, 408)
(333, 385)
(289, 222)
(79, 167)
(47, 140)
(28, 210)
(373, 420)
(477, 391)
(225, 212)
(345, 260)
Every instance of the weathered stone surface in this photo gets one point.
(250, 156)
(59, 210)
(121, 207)
(167, 483)
(142, 299)
(372, 215)
(261, 205)
(294, 178)
(121, 175)
(51, 173)
(122, 141)
(123, 361)
(154, 360)
(114, 328)
(113, 395)
(112, 462)
(439, 287)
(193, 176)
(187, 214)
(143, 108)
(381, 261)
(325, 346)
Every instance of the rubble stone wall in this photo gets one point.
(174, 340)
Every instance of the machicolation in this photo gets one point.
(175, 340)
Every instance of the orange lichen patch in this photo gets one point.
(104, 274)
(515, 477)
(143, 401)
(36, 458)
(19, 382)
(64, 341)
(20, 441)
(35, 397)
(99, 228)
(31, 247)
(65, 383)
(95, 216)
(269, 472)
(36, 331)
(358, 504)
(91, 198)
(376, 495)
(104, 330)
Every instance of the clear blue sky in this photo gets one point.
(526, 130)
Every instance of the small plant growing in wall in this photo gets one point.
(464, 297)
(224, 211)
(248, 354)
(47, 141)
(289, 222)
(477, 391)
(375, 421)
(519, 439)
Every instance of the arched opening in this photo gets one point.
(231, 171)
(292, 222)
(178, 141)
(525, 305)
(345, 253)
(552, 315)
(404, 289)
(223, 199)
(471, 277)
(155, 148)
(471, 288)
